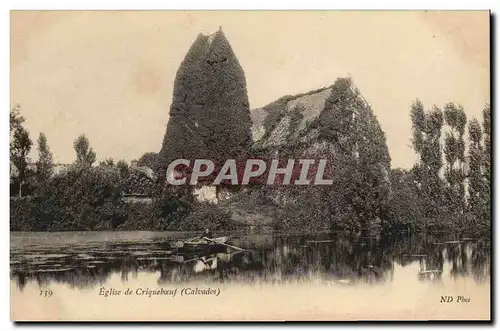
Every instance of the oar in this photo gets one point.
(231, 246)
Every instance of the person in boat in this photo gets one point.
(207, 234)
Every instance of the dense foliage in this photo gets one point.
(84, 198)
(447, 190)
(347, 134)
(210, 114)
(149, 160)
(432, 196)
(20, 146)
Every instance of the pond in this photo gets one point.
(85, 276)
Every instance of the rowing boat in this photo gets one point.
(200, 242)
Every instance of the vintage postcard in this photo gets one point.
(250, 166)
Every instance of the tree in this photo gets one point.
(137, 182)
(79, 199)
(123, 168)
(454, 151)
(426, 127)
(405, 204)
(487, 143)
(85, 156)
(44, 164)
(476, 183)
(487, 159)
(210, 111)
(432, 155)
(19, 149)
(16, 120)
(109, 162)
(418, 126)
(148, 159)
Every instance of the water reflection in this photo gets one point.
(334, 259)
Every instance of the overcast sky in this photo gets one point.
(110, 74)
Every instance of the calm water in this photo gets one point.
(89, 259)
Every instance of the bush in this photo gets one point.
(21, 214)
(206, 216)
(140, 216)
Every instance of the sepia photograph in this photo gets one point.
(192, 166)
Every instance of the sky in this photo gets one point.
(110, 74)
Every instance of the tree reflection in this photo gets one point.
(326, 258)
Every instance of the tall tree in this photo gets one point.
(476, 182)
(210, 112)
(426, 127)
(44, 165)
(16, 120)
(432, 155)
(418, 126)
(85, 155)
(487, 159)
(417, 115)
(454, 151)
(487, 142)
(20, 147)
